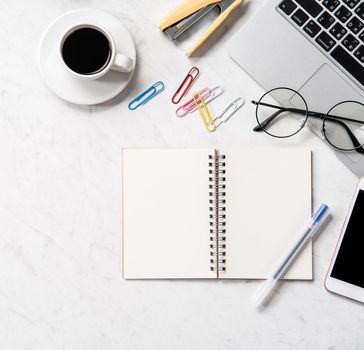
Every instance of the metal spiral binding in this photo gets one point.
(217, 208)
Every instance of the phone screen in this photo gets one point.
(349, 263)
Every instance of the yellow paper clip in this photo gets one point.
(201, 106)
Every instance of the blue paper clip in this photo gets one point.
(151, 92)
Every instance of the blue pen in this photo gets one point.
(266, 288)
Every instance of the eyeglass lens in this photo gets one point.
(278, 116)
(350, 121)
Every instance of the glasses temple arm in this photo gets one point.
(327, 116)
(312, 114)
(267, 121)
(318, 115)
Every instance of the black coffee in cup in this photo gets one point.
(86, 50)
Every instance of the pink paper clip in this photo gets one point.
(186, 84)
(207, 94)
(190, 104)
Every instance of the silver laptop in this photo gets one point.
(313, 47)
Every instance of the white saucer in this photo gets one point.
(55, 74)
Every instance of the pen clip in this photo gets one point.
(319, 213)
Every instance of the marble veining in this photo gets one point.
(61, 285)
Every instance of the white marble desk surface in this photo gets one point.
(61, 286)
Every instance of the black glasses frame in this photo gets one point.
(358, 147)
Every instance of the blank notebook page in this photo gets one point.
(268, 204)
(165, 213)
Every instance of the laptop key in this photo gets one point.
(343, 14)
(331, 5)
(351, 3)
(355, 25)
(312, 28)
(325, 41)
(299, 17)
(311, 6)
(359, 54)
(287, 6)
(349, 63)
(360, 10)
(326, 20)
(350, 42)
(338, 31)
(361, 36)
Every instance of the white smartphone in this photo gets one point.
(346, 272)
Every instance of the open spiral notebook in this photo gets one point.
(213, 213)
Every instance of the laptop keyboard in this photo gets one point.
(335, 26)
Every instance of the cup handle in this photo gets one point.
(122, 63)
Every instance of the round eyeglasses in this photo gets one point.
(282, 112)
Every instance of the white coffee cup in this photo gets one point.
(115, 60)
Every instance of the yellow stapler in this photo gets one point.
(190, 11)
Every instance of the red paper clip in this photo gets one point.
(191, 77)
